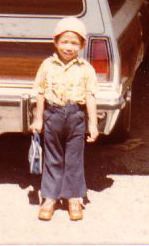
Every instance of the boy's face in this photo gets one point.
(68, 46)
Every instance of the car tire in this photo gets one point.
(121, 130)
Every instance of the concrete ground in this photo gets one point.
(116, 215)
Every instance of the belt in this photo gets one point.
(68, 104)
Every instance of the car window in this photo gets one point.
(44, 7)
(115, 5)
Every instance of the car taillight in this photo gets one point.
(99, 57)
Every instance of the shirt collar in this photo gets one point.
(56, 59)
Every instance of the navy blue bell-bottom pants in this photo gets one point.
(63, 171)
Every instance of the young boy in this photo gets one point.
(64, 84)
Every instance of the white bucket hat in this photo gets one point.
(70, 24)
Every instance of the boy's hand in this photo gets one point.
(36, 126)
(93, 134)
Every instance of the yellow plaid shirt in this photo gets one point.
(60, 83)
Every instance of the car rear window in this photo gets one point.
(41, 7)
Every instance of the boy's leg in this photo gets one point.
(74, 184)
(53, 163)
(53, 155)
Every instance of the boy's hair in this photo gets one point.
(71, 24)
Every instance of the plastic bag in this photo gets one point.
(35, 154)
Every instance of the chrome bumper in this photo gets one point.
(15, 113)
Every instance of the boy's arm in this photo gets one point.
(38, 120)
(92, 115)
(38, 92)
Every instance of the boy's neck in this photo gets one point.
(64, 61)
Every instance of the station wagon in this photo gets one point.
(117, 41)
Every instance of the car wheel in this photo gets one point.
(121, 130)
